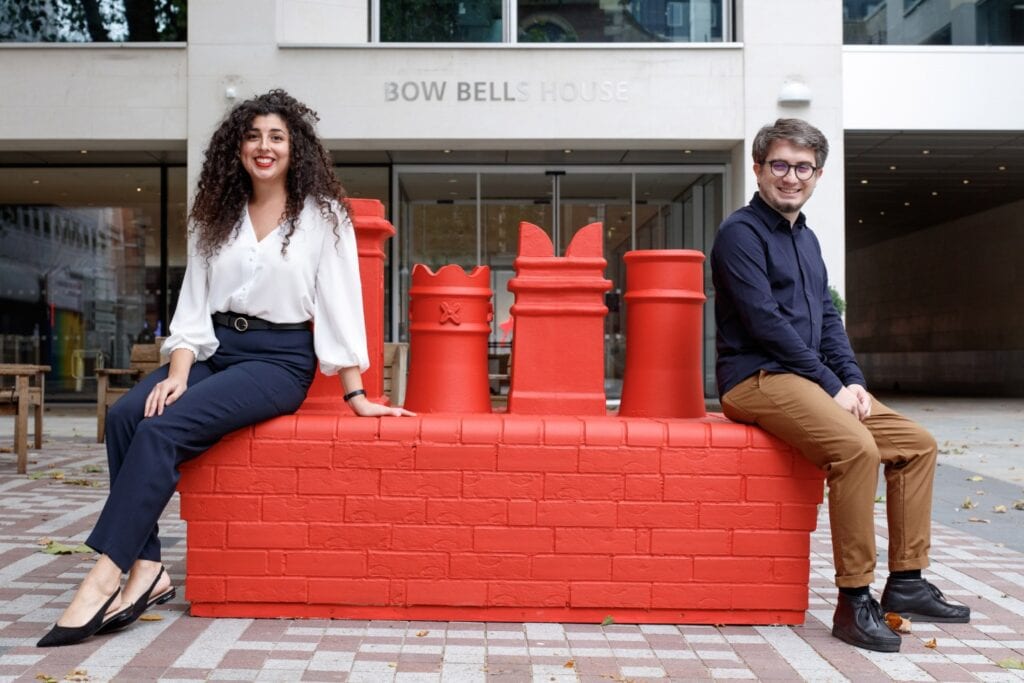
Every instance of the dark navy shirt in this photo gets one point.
(773, 310)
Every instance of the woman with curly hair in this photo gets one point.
(271, 247)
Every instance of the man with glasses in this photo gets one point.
(785, 364)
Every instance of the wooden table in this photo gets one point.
(18, 399)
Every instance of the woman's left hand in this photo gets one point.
(364, 407)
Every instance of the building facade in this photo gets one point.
(468, 117)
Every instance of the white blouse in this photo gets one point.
(316, 279)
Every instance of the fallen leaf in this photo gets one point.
(976, 478)
(608, 621)
(57, 475)
(420, 634)
(999, 508)
(150, 616)
(979, 520)
(1011, 663)
(91, 483)
(393, 665)
(569, 665)
(879, 499)
(931, 644)
(56, 548)
(897, 622)
(78, 675)
(968, 504)
(1018, 505)
(44, 540)
(45, 678)
(92, 468)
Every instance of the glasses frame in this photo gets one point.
(770, 163)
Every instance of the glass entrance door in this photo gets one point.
(470, 216)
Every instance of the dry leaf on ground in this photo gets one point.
(78, 676)
(999, 508)
(46, 678)
(897, 622)
(56, 548)
(1011, 663)
(931, 644)
(151, 616)
(968, 504)
(979, 520)
(976, 478)
(1018, 505)
(420, 634)
(608, 621)
(569, 665)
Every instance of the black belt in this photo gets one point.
(241, 323)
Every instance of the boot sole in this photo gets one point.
(926, 619)
(875, 647)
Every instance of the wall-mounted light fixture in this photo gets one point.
(794, 94)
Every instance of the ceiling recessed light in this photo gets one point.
(966, 181)
(860, 220)
(83, 151)
(864, 181)
(138, 189)
(906, 203)
(1002, 168)
(446, 151)
(935, 194)
(926, 151)
(35, 182)
(566, 151)
(892, 168)
(881, 213)
(687, 151)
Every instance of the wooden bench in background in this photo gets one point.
(145, 358)
(25, 395)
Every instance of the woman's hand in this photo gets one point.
(164, 394)
(364, 407)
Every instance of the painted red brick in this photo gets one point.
(691, 542)
(414, 483)
(731, 569)
(769, 543)
(503, 485)
(603, 431)
(196, 479)
(431, 537)
(256, 480)
(266, 453)
(205, 589)
(279, 428)
(583, 487)
(610, 594)
(303, 508)
(399, 429)
(484, 429)
(739, 516)
(455, 457)
(522, 513)
(646, 568)
(641, 433)
(704, 488)
(791, 570)
(208, 534)
(231, 451)
(369, 509)
(617, 460)
(339, 481)
(774, 462)
(273, 590)
(643, 487)
(446, 592)
(513, 539)
(466, 511)
(729, 435)
(381, 456)
(688, 433)
(489, 566)
(563, 431)
(348, 591)
(211, 507)
(611, 541)
(440, 428)
(531, 459)
(331, 563)
(528, 593)
(701, 596)
(266, 534)
(349, 535)
(658, 514)
(784, 490)
(799, 517)
(355, 429)
(227, 562)
(572, 567)
(407, 565)
(700, 461)
(316, 426)
(576, 513)
(522, 431)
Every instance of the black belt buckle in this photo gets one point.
(240, 324)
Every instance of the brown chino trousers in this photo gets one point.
(803, 415)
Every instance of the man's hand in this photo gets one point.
(855, 400)
(863, 399)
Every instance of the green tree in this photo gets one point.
(97, 21)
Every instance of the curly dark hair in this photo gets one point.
(225, 187)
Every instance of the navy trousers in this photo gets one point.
(253, 376)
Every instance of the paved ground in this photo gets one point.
(978, 563)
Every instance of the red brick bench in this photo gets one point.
(501, 518)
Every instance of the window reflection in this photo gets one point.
(933, 22)
(440, 21)
(75, 21)
(631, 21)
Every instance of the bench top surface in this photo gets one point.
(17, 369)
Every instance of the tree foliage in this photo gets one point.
(98, 21)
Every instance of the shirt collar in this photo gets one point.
(772, 218)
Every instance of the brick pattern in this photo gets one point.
(501, 518)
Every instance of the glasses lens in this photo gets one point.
(804, 171)
(779, 168)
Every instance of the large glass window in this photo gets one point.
(552, 21)
(81, 266)
(470, 216)
(933, 22)
(93, 21)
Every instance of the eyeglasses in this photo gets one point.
(780, 169)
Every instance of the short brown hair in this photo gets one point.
(795, 131)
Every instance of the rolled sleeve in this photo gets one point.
(339, 328)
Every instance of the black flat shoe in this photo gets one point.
(69, 635)
(859, 621)
(919, 600)
(146, 600)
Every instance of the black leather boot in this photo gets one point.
(859, 621)
(918, 600)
